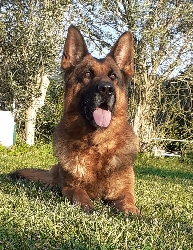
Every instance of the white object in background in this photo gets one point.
(7, 127)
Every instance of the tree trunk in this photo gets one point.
(143, 124)
(136, 122)
(30, 125)
(143, 120)
(31, 112)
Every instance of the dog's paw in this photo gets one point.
(81, 198)
(132, 209)
(87, 207)
(127, 206)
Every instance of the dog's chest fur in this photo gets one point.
(96, 155)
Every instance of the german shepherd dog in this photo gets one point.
(93, 142)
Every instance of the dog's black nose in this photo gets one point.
(106, 88)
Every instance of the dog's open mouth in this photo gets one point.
(102, 115)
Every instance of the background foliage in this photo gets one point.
(160, 102)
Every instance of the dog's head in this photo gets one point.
(93, 86)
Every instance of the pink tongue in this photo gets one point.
(102, 117)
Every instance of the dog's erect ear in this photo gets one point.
(74, 48)
(122, 52)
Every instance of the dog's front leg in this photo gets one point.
(120, 192)
(77, 195)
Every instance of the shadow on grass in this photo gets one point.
(164, 173)
(34, 239)
(9, 185)
(31, 189)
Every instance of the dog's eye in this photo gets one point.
(87, 74)
(112, 76)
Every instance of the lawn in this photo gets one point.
(33, 217)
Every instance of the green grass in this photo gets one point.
(32, 217)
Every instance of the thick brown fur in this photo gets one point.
(94, 162)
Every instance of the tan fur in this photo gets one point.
(93, 162)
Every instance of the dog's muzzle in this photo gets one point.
(98, 103)
(105, 101)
